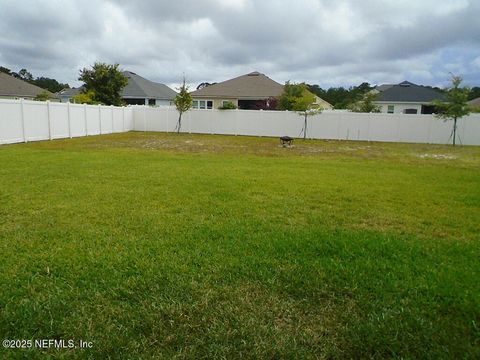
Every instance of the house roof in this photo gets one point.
(70, 92)
(137, 87)
(251, 86)
(474, 102)
(408, 92)
(10, 86)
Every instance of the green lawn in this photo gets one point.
(188, 246)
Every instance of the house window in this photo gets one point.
(391, 109)
(410, 111)
(202, 104)
(151, 102)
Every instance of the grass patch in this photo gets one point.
(188, 246)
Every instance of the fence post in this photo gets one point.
(166, 122)
(22, 112)
(145, 118)
(111, 109)
(69, 121)
(236, 122)
(100, 118)
(86, 121)
(49, 116)
(123, 118)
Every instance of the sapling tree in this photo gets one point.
(297, 97)
(455, 105)
(183, 102)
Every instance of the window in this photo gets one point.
(202, 104)
(391, 109)
(410, 111)
(151, 102)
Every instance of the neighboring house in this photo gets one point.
(245, 92)
(139, 91)
(13, 88)
(407, 98)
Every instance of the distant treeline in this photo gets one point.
(46, 83)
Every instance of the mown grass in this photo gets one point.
(188, 246)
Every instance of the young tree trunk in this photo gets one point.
(179, 123)
(305, 128)
(454, 130)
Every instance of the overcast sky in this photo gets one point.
(325, 42)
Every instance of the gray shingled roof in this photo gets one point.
(408, 92)
(70, 92)
(10, 86)
(474, 102)
(246, 87)
(139, 87)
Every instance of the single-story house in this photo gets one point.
(407, 98)
(13, 88)
(246, 92)
(139, 91)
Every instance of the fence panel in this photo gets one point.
(29, 121)
(11, 129)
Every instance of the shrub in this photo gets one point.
(228, 105)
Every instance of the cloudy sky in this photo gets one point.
(325, 42)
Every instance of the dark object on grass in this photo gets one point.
(286, 141)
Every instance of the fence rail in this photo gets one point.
(22, 121)
(335, 125)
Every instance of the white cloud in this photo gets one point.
(330, 43)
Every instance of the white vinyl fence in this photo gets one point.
(22, 121)
(338, 125)
(31, 120)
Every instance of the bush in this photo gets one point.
(43, 96)
(228, 105)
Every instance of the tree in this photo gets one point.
(85, 98)
(456, 105)
(5, 70)
(51, 85)
(366, 104)
(25, 75)
(183, 102)
(106, 81)
(474, 93)
(43, 96)
(204, 85)
(297, 97)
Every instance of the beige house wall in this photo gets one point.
(217, 103)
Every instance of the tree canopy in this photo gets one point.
(105, 81)
(366, 104)
(340, 97)
(296, 97)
